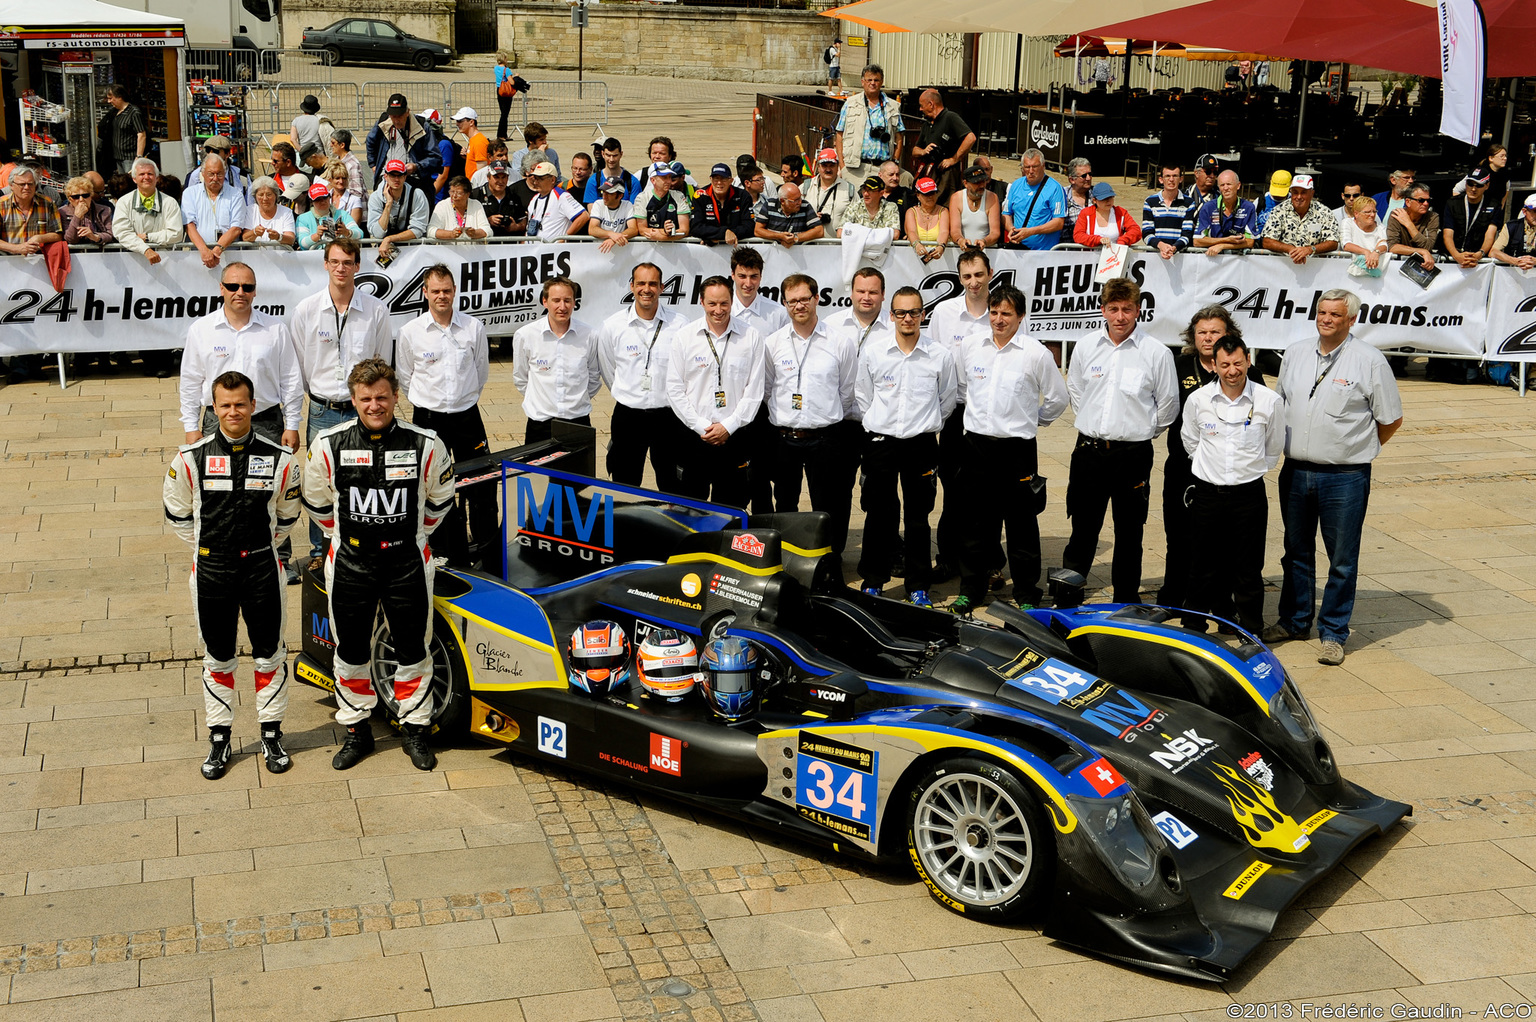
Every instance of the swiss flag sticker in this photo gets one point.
(1102, 776)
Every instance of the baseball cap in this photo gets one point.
(218, 142)
(659, 169)
(298, 186)
(679, 169)
(466, 113)
(1478, 176)
(873, 182)
(318, 190)
(1102, 190)
(433, 116)
(1303, 181)
(720, 170)
(976, 174)
(612, 185)
(544, 169)
(746, 161)
(501, 167)
(398, 103)
(926, 185)
(827, 156)
(1207, 163)
(1530, 201)
(1280, 183)
(395, 167)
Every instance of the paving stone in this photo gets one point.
(1317, 966)
(577, 1006)
(784, 938)
(203, 966)
(291, 889)
(72, 982)
(39, 790)
(988, 995)
(1464, 949)
(892, 927)
(437, 938)
(78, 878)
(304, 954)
(1444, 869)
(85, 912)
(437, 810)
(128, 841)
(172, 1002)
(484, 1011)
(257, 828)
(454, 872)
(323, 992)
(538, 926)
(527, 968)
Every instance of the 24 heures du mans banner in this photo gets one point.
(116, 300)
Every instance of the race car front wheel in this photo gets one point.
(450, 680)
(976, 835)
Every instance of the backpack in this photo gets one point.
(826, 55)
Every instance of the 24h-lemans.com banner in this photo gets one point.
(116, 300)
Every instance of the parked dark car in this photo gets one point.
(372, 40)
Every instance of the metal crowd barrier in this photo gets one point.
(422, 96)
(563, 103)
(272, 106)
(294, 66)
(232, 66)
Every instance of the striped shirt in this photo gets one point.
(1171, 222)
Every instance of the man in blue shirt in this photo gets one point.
(1036, 207)
(1228, 221)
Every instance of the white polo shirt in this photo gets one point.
(556, 375)
(634, 353)
(901, 394)
(443, 369)
(1010, 391)
(1127, 391)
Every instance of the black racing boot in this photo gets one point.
(358, 745)
(272, 748)
(413, 739)
(217, 763)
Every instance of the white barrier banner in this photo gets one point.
(116, 300)
(1512, 317)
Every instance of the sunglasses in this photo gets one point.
(77, 198)
(1416, 198)
(232, 288)
(906, 313)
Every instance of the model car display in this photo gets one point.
(1138, 788)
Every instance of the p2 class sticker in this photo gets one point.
(840, 797)
(552, 736)
(1174, 829)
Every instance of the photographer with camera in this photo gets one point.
(827, 194)
(869, 128)
(323, 222)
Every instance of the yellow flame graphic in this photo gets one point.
(1255, 811)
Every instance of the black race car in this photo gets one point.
(1142, 789)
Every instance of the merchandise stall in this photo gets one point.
(56, 61)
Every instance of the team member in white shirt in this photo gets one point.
(555, 364)
(1012, 388)
(715, 387)
(864, 323)
(809, 390)
(1234, 431)
(333, 330)
(1124, 393)
(950, 323)
(767, 317)
(905, 389)
(634, 346)
(443, 363)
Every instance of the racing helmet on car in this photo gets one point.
(599, 657)
(668, 664)
(729, 666)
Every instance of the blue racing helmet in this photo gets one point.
(729, 666)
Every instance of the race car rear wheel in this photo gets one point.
(977, 837)
(450, 679)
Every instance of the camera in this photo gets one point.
(880, 134)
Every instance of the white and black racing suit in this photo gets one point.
(377, 495)
(234, 500)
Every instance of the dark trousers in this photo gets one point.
(636, 431)
(823, 460)
(1105, 474)
(951, 457)
(1227, 577)
(543, 429)
(763, 446)
(913, 463)
(505, 102)
(464, 433)
(1178, 531)
(257, 595)
(269, 423)
(717, 472)
(996, 482)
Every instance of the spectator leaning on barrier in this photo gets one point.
(336, 175)
(28, 221)
(1364, 236)
(504, 211)
(1105, 223)
(397, 211)
(872, 209)
(1341, 405)
(268, 222)
(553, 213)
(1279, 190)
(612, 217)
(1228, 221)
(1470, 222)
(323, 221)
(146, 219)
(827, 193)
(869, 127)
(975, 214)
(87, 219)
(458, 217)
(722, 212)
(1516, 243)
(1168, 216)
(1412, 230)
(1036, 208)
(927, 224)
(130, 135)
(1079, 173)
(787, 220)
(214, 212)
(1301, 228)
(404, 137)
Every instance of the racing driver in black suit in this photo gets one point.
(378, 485)
(234, 495)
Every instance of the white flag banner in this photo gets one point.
(115, 300)
(1463, 67)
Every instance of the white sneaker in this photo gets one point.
(1332, 653)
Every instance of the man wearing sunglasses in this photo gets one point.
(1413, 228)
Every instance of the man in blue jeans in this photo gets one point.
(1341, 405)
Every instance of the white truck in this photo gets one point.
(220, 24)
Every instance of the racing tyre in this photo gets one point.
(450, 678)
(424, 61)
(978, 839)
(331, 56)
